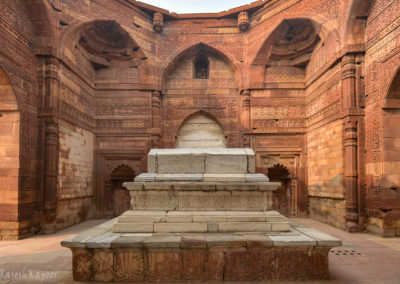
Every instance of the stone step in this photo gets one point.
(200, 221)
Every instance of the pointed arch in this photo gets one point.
(392, 97)
(355, 16)
(173, 59)
(41, 19)
(8, 98)
(10, 150)
(200, 130)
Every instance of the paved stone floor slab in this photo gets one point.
(363, 258)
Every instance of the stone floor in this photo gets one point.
(364, 258)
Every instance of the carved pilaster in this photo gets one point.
(158, 22)
(51, 105)
(245, 113)
(50, 175)
(243, 21)
(245, 117)
(349, 82)
(156, 118)
(351, 175)
(51, 83)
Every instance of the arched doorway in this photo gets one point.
(200, 131)
(119, 198)
(9, 151)
(390, 209)
(282, 197)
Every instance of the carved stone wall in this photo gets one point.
(124, 76)
(326, 174)
(217, 95)
(75, 175)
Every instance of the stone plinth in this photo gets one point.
(191, 182)
(201, 161)
(200, 221)
(200, 215)
(100, 254)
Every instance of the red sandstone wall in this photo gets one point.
(296, 117)
(75, 175)
(185, 95)
(17, 59)
(382, 63)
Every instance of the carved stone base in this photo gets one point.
(100, 255)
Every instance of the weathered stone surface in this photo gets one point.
(103, 265)
(146, 177)
(163, 241)
(133, 227)
(129, 265)
(321, 238)
(280, 226)
(202, 256)
(209, 216)
(180, 227)
(179, 217)
(225, 240)
(193, 241)
(184, 163)
(82, 265)
(224, 177)
(225, 164)
(244, 227)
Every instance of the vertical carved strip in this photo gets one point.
(350, 101)
(349, 82)
(51, 144)
(156, 118)
(245, 117)
(351, 175)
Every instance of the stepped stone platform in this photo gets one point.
(200, 221)
(200, 215)
(100, 254)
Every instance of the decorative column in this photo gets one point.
(245, 117)
(349, 82)
(50, 144)
(156, 118)
(243, 21)
(349, 104)
(158, 22)
(351, 174)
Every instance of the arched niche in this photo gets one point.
(118, 197)
(283, 199)
(200, 131)
(9, 150)
(390, 179)
(288, 50)
(102, 50)
(391, 136)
